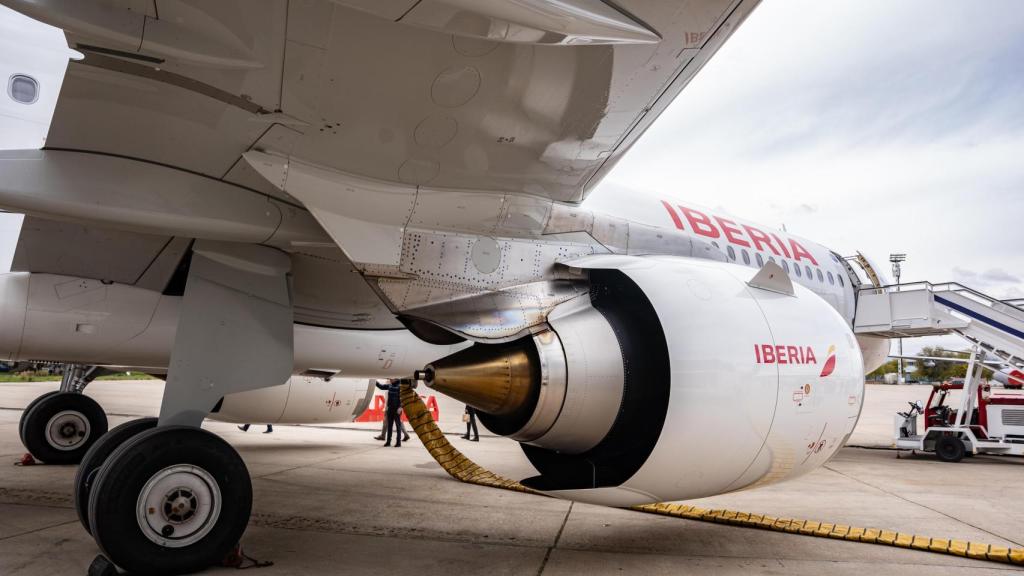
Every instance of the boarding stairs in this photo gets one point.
(926, 309)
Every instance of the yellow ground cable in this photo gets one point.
(463, 469)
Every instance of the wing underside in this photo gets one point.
(531, 96)
(400, 125)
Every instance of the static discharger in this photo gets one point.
(463, 469)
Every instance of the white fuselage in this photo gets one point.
(743, 242)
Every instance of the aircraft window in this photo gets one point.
(732, 254)
(785, 266)
(810, 275)
(715, 244)
(772, 259)
(746, 258)
(831, 279)
(820, 277)
(840, 277)
(24, 89)
(760, 261)
(796, 267)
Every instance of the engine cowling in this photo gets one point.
(675, 379)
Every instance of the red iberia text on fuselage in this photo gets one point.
(782, 354)
(742, 235)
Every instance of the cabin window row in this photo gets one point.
(795, 269)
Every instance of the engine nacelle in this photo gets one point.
(301, 400)
(676, 379)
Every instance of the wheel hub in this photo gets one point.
(67, 430)
(178, 506)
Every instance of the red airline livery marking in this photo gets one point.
(378, 411)
(780, 354)
(703, 225)
(785, 354)
(830, 362)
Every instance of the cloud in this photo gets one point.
(998, 275)
(964, 276)
(991, 277)
(1013, 293)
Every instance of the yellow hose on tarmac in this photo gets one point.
(465, 470)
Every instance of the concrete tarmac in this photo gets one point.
(331, 500)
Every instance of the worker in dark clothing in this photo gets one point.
(393, 414)
(470, 419)
(245, 428)
(384, 426)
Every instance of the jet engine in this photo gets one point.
(673, 379)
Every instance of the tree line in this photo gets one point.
(931, 370)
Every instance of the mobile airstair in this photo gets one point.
(985, 421)
(926, 309)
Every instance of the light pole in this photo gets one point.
(897, 262)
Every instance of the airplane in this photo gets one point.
(1007, 374)
(1010, 377)
(220, 179)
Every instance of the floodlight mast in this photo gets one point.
(897, 260)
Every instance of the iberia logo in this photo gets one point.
(782, 354)
(830, 362)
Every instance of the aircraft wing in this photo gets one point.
(526, 96)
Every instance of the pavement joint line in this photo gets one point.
(967, 562)
(6, 502)
(558, 536)
(925, 506)
(44, 528)
(314, 464)
(277, 523)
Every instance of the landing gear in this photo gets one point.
(97, 456)
(170, 500)
(175, 499)
(58, 428)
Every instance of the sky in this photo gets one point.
(865, 125)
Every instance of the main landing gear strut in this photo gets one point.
(162, 496)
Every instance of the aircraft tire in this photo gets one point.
(171, 500)
(24, 413)
(97, 455)
(60, 428)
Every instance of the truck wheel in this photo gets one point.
(97, 456)
(950, 449)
